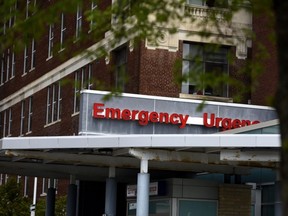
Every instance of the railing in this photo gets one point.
(203, 12)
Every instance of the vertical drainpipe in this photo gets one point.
(143, 181)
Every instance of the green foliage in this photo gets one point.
(60, 206)
(12, 203)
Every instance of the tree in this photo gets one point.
(60, 206)
(12, 202)
(143, 20)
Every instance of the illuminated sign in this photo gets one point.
(144, 117)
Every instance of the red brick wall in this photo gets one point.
(156, 72)
(265, 85)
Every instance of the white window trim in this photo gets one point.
(30, 113)
(33, 52)
(78, 22)
(27, 8)
(90, 83)
(25, 61)
(76, 91)
(50, 41)
(48, 105)
(9, 122)
(4, 123)
(59, 102)
(2, 69)
(12, 65)
(53, 104)
(22, 118)
(93, 7)
(62, 32)
(7, 65)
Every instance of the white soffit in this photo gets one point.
(146, 141)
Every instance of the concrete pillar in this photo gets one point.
(143, 181)
(50, 202)
(71, 200)
(110, 197)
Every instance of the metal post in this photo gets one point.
(143, 179)
(32, 207)
(71, 200)
(50, 202)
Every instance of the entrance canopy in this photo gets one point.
(89, 157)
(172, 134)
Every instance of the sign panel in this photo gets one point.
(141, 114)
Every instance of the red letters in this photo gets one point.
(97, 110)
(144, 117)
(225, 123)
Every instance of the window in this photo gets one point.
(78, 22)
(2, 69)
(53, 108)
(156, 207)
(25, 61)
(197, 207)
(30, 113)
(82, 80)
(27, 8)
(22, 120)
(92, 22)
(33, 52)
(50, 40)
(7, 123)
(30, 8)
(268, 200)
(201, 66)
(63, 30)
(4, 124)
(13, 10)
(120, 68)
(13, 65)
(7, 65)
(10, 122)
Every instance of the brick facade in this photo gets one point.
(234, 200)
(265, 84)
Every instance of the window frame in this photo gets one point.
(79, 17)
(53, 103)
(50, 41)
(13, 65)
(25, 61)
(2, 69)
(7, 65)
(200, 58)
(10, 119)
(63, 29)
(93, 7)
(121, 67)
(22, 118)
(30, 114)
(33, 55)
(82, 80)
